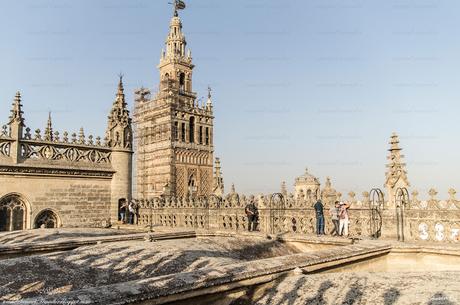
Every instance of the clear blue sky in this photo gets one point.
(297, 83)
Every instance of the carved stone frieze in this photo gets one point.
(49, 151)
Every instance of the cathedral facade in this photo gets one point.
(51, 179)
(174, 131)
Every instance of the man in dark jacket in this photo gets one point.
(319, 217)
(252, 214)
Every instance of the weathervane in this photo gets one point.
(178, 5)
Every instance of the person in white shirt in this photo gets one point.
(343, 219)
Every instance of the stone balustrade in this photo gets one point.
(432, 220)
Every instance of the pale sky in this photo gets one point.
(305, 83)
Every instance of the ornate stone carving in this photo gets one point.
(43, 151)
(5, 148)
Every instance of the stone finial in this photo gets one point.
(38, 135)
(16, 111)
(65, 138)
(452, 193)
(56, 136)
(28, 135)
(218, 187)
(284, 188)
(415, 202)
(98, 141)
(353, 199)
(90, 140)
(49, 129)
(5, 131)
(74, 138)
(339, 196)
(352, 195)
(81, 137)
(209, 101)
(433, 192)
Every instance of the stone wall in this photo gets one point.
(76, 202)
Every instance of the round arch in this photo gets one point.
(49, 218)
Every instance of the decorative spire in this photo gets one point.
(16, 111)
(209, 102)
(49, 129)
(120, 97)
(284, 188)
(175, 42)
(119, 132)
(218, 179)
(396, 175)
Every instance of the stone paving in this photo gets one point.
(128, 271)
(104, 264)
(432, 288)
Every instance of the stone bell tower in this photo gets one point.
(174, 131)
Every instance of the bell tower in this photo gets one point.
(173, 130)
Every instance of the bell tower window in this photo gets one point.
(183, 132)
(192, 130)
(176, 131)
(182, 82)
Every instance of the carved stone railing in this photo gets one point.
(440, 223)
(49, 151)
(51, 148)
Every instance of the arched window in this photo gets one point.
(182, 82)
(207, 135)
(46, 218)
(200, 136)
(183, 132)
(191, 184)
(176, 131)
(12, 213)
(192, 130)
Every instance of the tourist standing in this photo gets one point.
(334, 212)
(252, 214)
(343, 219)
(319, 217)
(123, 208)
(131, 213)
(136, 209)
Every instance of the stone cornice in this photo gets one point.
(54, 171)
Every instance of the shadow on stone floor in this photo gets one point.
(93, 266)
(319, 297)
(391, 296)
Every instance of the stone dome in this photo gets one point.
(307, 179)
